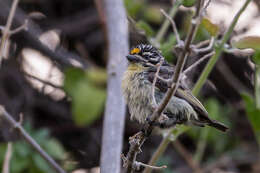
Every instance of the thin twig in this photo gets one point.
(174, 28)
(6, 31)
(20, 28)
(154, 82)
(30, 140)
(206, 7)
(8, 155)
(187, 70)
(139, 166)
(163, 145)
(187, 156)
(202, 44)
(218, 50)
(166, 23)
(205, 49)
(43, 81)
(201, 146)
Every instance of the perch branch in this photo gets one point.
(6, 30)
(8, 155)
(30, 140)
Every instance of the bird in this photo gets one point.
(140, 95)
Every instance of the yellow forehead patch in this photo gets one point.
(135, 51)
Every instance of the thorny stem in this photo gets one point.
(30, 140)
(6, 30)
(218, 50)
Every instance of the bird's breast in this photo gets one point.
(137, 91)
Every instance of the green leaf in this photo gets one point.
(87, 103)
(40, 135)
(188, 3)
(212, 28)
(145, 27)
(87, 96)
(72, 77)
(22, 149)
(55, 149)
(252, 42)
(41, 164)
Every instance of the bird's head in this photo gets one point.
(145, 55)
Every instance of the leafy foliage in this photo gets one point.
(212, 28)
(247, 42)
(25, 159)
(188, 3)
(87, 95)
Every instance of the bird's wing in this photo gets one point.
(182, 92)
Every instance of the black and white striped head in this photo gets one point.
(145, 55)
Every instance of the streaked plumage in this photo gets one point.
(183, 108)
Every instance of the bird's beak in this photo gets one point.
(132, 58)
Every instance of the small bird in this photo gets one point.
(137, 85)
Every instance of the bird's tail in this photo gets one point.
(209, 122)
(218, 125)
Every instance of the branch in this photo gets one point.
(43, 81)
(174, 28)
(113, 125)
(187, 156)
(139, 165)
(166, 23)
(218, 50)
(198, 62)
(162, 147)
(8, 155)
(6, 30)
(30, 140)
(30, 38)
